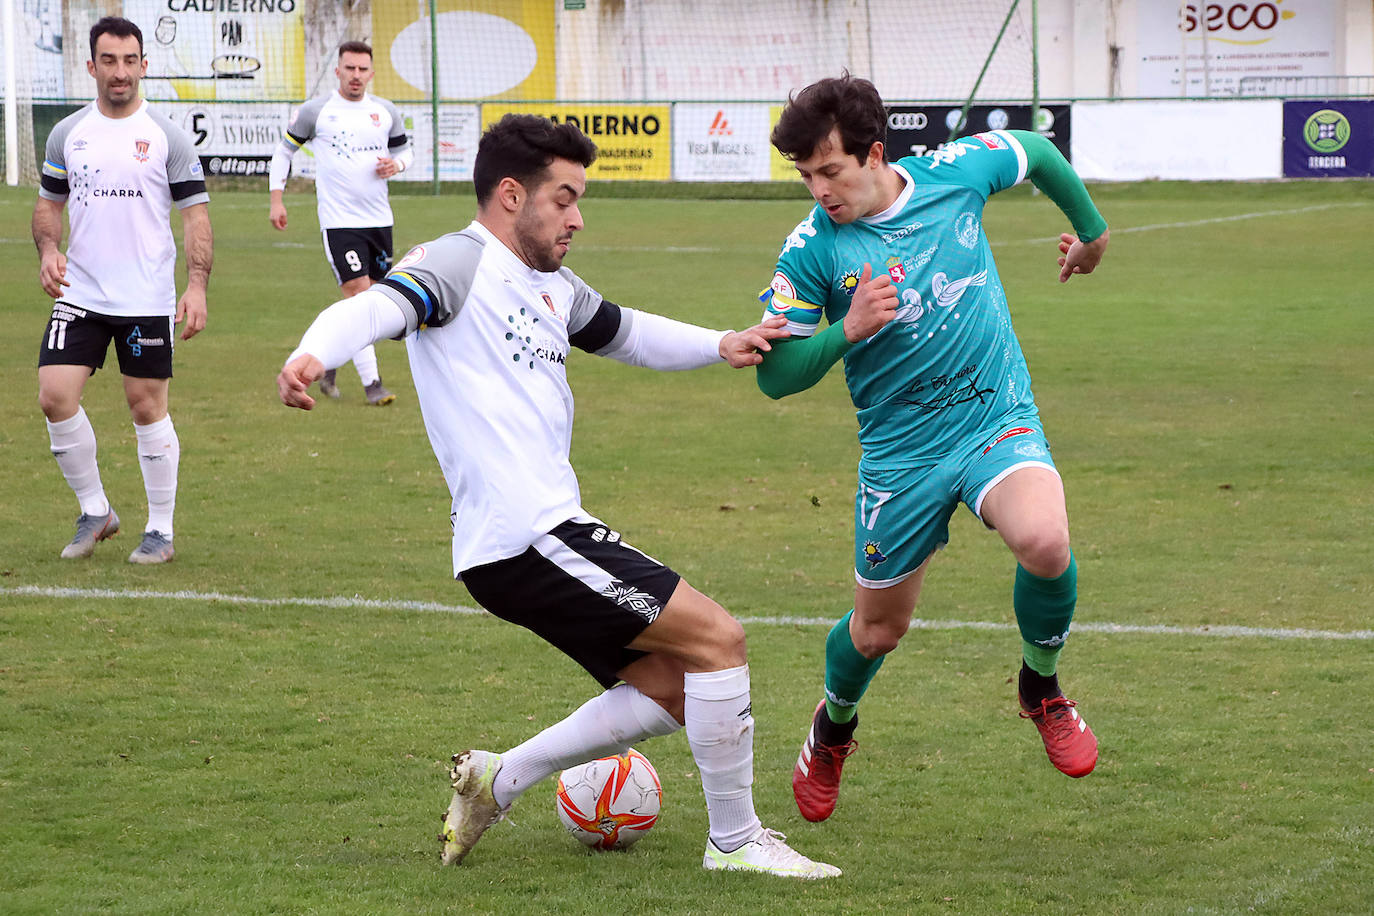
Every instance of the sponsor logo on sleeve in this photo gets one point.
(805, 229)
(991, 141)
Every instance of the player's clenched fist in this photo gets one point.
(873, 306)
(295, 378)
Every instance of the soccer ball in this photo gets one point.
(611, 802)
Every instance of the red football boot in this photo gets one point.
(816, 777)
(1072, 746)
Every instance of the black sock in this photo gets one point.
(1034, 687)
(834, 733)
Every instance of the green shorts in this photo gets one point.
(902, 516)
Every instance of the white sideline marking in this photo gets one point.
(917, 623)
(1186, 224)
(357, 601)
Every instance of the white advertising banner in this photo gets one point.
(1188, 141)
(231, 138)
(721, 142)
(460, 127)
(1228, 40)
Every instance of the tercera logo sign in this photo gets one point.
(1245, 23)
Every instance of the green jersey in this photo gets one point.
(949, 366)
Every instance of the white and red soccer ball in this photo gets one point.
(610, 803)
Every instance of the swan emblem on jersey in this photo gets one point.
(805, 229)
(948, 292)
(911, 309)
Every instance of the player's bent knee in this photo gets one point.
(1044, 554)
(876, 640)
(56, 407)
(721, 644)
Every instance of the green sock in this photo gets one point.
(1044, 610)
(847, 672)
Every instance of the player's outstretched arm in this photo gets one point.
(336, 334)
(199, 240)
(47, 236)
(656, 342)
(746, 348)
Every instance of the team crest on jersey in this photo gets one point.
(376, 119)
(548, 301)
(966, 229)
(413, 256)
(895, 269)
(849, 281)
(141, 150)
(873, 553)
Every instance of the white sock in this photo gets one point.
(603, 726)
(159, 455)
(365, 361)
(720, 731)
(73, 445)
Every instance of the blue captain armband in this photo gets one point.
(414, 292)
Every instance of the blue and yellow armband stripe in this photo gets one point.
(794, 310)
(415, 293)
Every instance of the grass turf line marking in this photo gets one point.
(1187, 224)
(917, 623)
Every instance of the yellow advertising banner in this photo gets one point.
(779, 168)
(488, 49)
(633, 142)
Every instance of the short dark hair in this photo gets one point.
(355, 47)
(120, 28)
(845, 102)
(521, 146)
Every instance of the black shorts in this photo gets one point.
(583, 590)
(354, 253)
(79, 337)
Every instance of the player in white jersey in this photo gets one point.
(121, 166)
(359, 142)
(489, 315)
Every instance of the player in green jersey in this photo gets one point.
(894, 258)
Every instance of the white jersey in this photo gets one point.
(488, 351)
(120, 177)
(347, 139)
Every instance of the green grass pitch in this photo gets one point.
(1208, 395)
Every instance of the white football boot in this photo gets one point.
(767, 853)
(474, 807)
